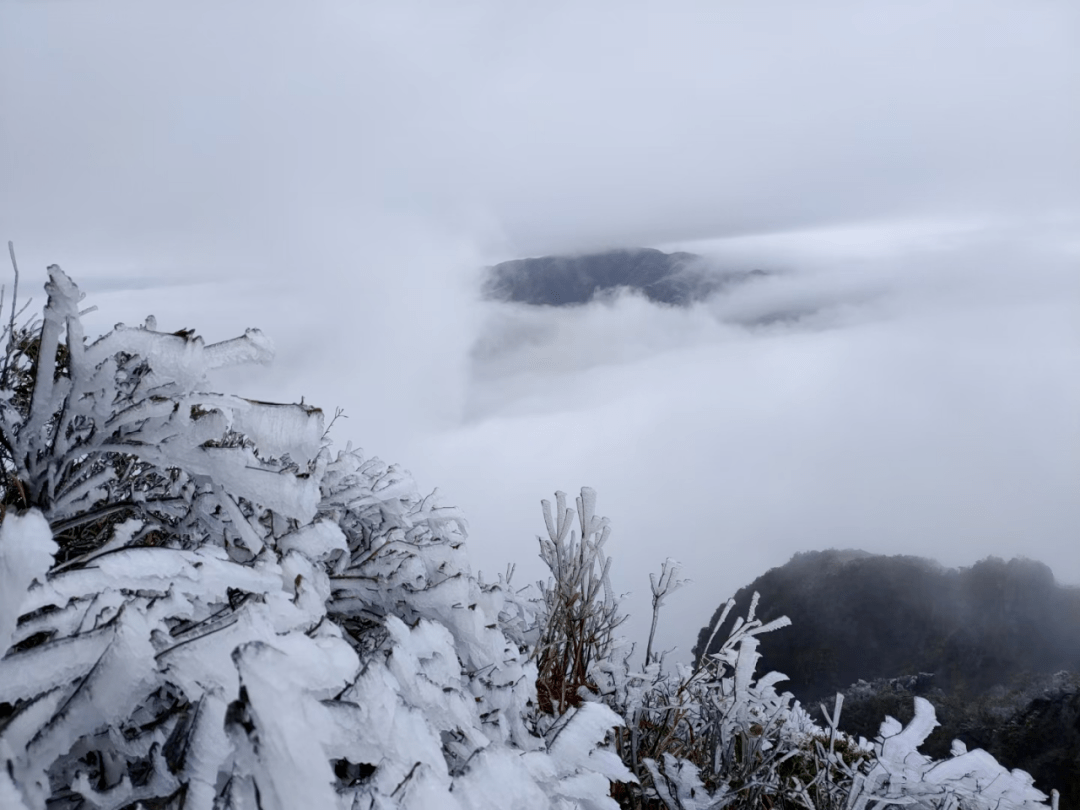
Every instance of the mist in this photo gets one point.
(904, 380)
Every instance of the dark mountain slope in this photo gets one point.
(864, 616)
(677, 279)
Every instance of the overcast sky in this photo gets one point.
(338, 173)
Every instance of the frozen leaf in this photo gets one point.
(26, 553)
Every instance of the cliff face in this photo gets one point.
(676, 279)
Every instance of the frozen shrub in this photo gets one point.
(202, 606)
(580, 611)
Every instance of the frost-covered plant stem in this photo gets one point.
(580, 609)
(9, 329)
(661, 588)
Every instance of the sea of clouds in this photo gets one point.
(905, 379)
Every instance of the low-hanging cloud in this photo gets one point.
(926, 403)
(904, 379)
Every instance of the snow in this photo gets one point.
(26, 554)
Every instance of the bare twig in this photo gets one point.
(338, 413)
(666, 585)
(11, 322)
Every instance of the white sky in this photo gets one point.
(336, 173)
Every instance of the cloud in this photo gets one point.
(937, 416)
(537, 129)
(338, 173)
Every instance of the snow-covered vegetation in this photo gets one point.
(204, 605)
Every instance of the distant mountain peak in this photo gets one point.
(674, 279)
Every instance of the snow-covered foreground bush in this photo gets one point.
(202, 605)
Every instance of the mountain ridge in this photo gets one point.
(674, 279)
